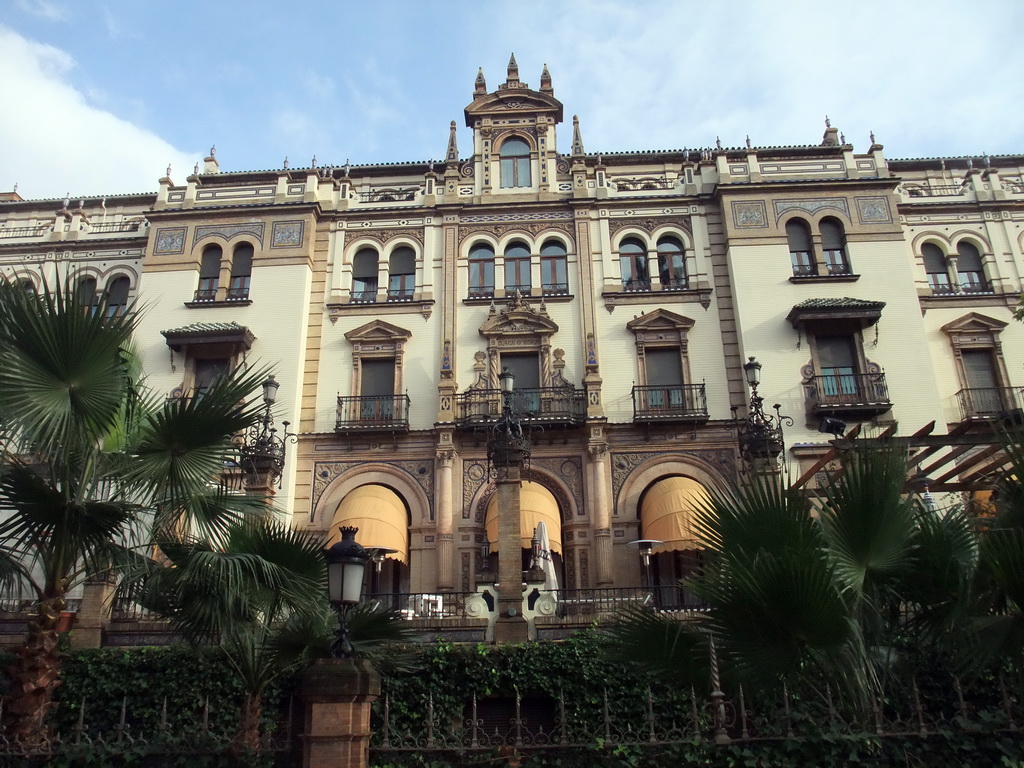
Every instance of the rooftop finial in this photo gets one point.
(312, 163)
(871, 135)
(748, 141)
(842, 138)
(513, 70)
(285, 163)
(828, 123)
(347, 167)
(577, 138)
(452, 155)
(195, 169)
(213, 150)
(480, 86)
(718, 142)
(168, 174)
(545, 81)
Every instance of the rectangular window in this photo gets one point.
(983, 391)
(663, 370)
(837, 364)
(553, 275)
(526, 369)
(481, 278)
(207, 371)
(517, 275)
(377, 389)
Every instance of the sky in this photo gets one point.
(99, 97)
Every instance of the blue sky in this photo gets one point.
(101, 95)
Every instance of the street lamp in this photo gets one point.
(262, 449)
(346, 565)
(508, 444)
(760, 434)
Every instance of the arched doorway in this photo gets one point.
(381, 516)
(667, 512)
(536, 504)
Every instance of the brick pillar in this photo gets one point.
(94, 614)
(337, 694)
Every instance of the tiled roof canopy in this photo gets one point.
(863, 312)
(238, 336)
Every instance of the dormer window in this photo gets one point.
(515, 163)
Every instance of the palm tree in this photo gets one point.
(261, 596)
(91, 465)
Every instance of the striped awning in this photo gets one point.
(668, 510)
(380, 516)
(536, 503)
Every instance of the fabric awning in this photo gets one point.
(667, 512)
(380, 516)
(536, 503)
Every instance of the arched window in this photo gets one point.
(969, 268)
(633, 261)
(671, 264)
(117, 296)
(553, 270)
(481, 271)
(241, 272)
(936, 268)
(402, 274)
(833, 244)
(515, 163)
(87, 294)
(517, 268)
(364, 276)
(209, 273)
(799, 236)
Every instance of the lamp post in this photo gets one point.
(646, 547)
(508, 449)
(760, 435)
(346, 565)
(262, 449)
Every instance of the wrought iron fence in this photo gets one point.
(991, 402)
(373, 412)
(163, 741)
(592, 603)
(125, 608)
(388, 195)
(28, 605)
(681, 402)
(424, 605)
(536, 405)
(849, 389)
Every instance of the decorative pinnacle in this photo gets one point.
(480, 86)
(577, 137)
(545, 81)
(452, 155)
(513, 70)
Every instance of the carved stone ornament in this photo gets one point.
(384, 235)
(500, 230)
(649, 224)
(324, 473)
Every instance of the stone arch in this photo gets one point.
(395, 478)
(627, 503)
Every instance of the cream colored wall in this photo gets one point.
(277, 317)
(764, 296)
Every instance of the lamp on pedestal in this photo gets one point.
(346, 566)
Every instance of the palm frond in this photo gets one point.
(675, 650)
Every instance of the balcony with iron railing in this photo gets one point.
(204, 295)
(13, 232)
(676, 403)
(851, 394)
(389, 196)
(541, 406)
(987, 403)
(555, 289)
(115, 227)
(366, 413)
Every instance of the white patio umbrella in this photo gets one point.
(547, 560)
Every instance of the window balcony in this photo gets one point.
(850, 394)
(636, 285)
(481, 291)
(542, 406)
(205, 295)
(238, 293)
(368, 296)
(555, 289)
(679, 403)
(401, 294)
(368, 413)
(986, 403)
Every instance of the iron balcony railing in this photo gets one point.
(553, 406)
(636, 284)
(23, 231)
(681, 402)
(119, 226)
(205, 294)
(30, 605)
(401, 294)
(833, 269)
(238, 293)
(368, 412)
(850, 392)
(388, 196)
(594, 602)
(481, 291)
(555, 289)
(127, 609)
(675, 284)
(369, 296)
(423, 605)
(991, 402)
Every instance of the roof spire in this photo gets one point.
(452, 156)
(831, 136)
(577, 139)
(545, 81)
(513, 71)
(480, 86)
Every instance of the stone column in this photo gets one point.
(445, 553)
(601, 514)
(510, 626)
(337, 695)
(94, 615)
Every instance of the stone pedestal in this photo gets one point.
(94, 614)
(336, 695)
(511, 625)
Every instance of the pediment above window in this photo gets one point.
(377, 330)
(518, 319)
(660, 319)
(521, 100)
(972, 323)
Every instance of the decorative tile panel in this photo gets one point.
(170, 240)
(873, 210)
(286, 234)
(749, 215)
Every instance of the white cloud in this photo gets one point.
(55, 141)
(44, 9)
